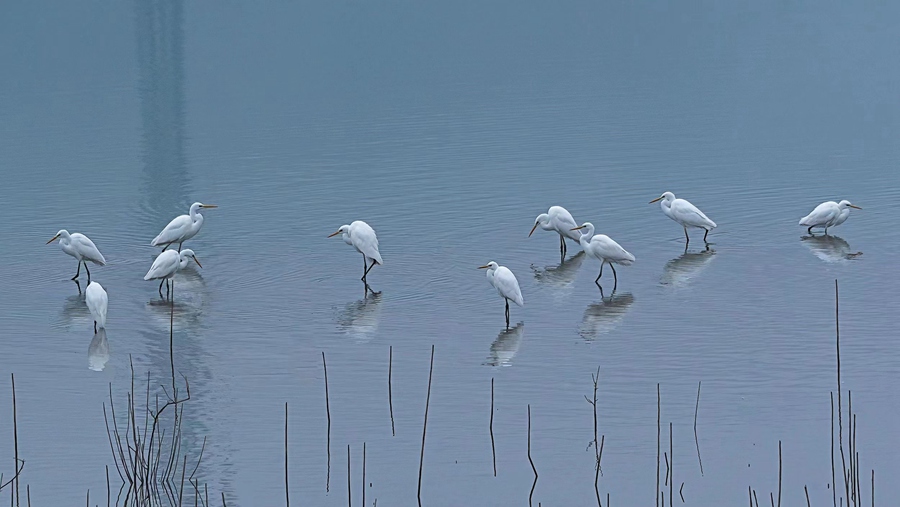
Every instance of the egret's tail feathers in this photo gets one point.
(806, 221)
(519, 300)
(711, 225)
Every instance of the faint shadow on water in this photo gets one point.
(75, 312)
(603, 317)
(561, 277)
(359, 319)
(829, 248)
(506, 345)
(98, 351)
(680, 271)
(190, 293)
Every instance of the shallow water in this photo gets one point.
(448, 129)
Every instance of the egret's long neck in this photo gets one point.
(586, 234)
(196, 216)
(182, 263)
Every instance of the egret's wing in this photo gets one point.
(87, 248)
(507, 285)
(608, 249)
(164, 265)
(821, 215)
(563, 222)
(364, 239)
(96, 299)
(690, 214)
(173, 232)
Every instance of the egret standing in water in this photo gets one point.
(96, 300)
(560, 221)
(167, 264)
(828, 214)
(182, 228)
(604, 249)
(502, 279)
(685, 213)
(362, 237)
(81, 247)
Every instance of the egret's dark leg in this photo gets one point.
(809, 231)
(179, 246)
(88, 271)
(705, 235)
(615, 278)
(167, 289)
(77, 284)
(77, 272)
(826, 232)
(160, 286)
(687, 239)
(370, 267)
(365, 271)
(562, 246)
(95, 327)
(597, 280)
(167, 246)
(507, 313)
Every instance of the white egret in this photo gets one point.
(167, 264)
(81, 247)
(828, 214)
(362, 237)
(502, 279)
(182, 227)
(559, 220)
(604, 249)
(96, 299)
(685, 213)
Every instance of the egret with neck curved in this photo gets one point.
(361, 236)
(502, 279)
(96, 300)
(560, 221)
(685, 213)
(604, 249)
(182, 227)
(828, 214)
(167, 264)
(82, 248)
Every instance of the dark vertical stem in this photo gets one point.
(491, 429)
(390, 391)
(696, 439)
(171, 338)
(750, 494)
(12, 377)
(833, 476)
(779, 473)
(533, 468)
(349, 489)
(807, 495)
(755, 498)
(772, 499)
(850, 443)
(327, 413)
(364, 477)
(425, 428)
(873, 487)
(837, 329)
(681, 492)
(223, 500)
(672, 467)
(107, 486)
(596, 379)
(658, 406)
(87, 501)
(287, 494)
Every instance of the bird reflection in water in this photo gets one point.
(98, 351)
(829, 248)
(190, 293)
(360, 319)
(75, 312)
(562, 276)
(603, 317)
(506, 345)
(680, 271)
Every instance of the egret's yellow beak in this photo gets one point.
(483, 267)
(209, 206)
(853, 206)
(532, 229)
(197, 261)
(52, 239)
(576, 228)
(334, 233)
(654, 200)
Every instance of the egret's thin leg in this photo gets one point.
(77, 273)
(615, 278)
(507, 313)
(365, 271)
(704, 235)
(687, 239)
(78, 284)
(179, 246)
(809, 231)
(597, 280)
(95, 327)
(160, 286)
(370, 267)
(167, 246)
(562, 246)
(88, 271)
(826, 230)
(167, 289)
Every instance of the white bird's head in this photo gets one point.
(186, 254)
(61, 234)
(490, 266)
(588, 226)
(668, 196)
(543, 220)
(197, 206)
(344, 229)
(846, 204)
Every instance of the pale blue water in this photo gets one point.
(448, 128)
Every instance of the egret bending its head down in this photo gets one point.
(81, 247)
(96, 300)
(182, 227)
(828, 214)
(604, 249)
(685, 213)
(502, 279)
(167, 264)
(362, 237)
(560, 221)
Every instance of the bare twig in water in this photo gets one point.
(597, 455)
(658, 404)
(425, 428)
(364, 476)
(349, 489)
(696, 439)
(833, 476)
(779, 473)
(287, 492)
(807, 495)
(491, 429)
(16, 467)
(328, 414)
(390, 391)
(534, 484)
(672, 467)
(681, 492)
(837, 329)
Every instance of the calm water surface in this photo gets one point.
(449, 128)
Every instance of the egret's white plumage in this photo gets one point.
(560, 221)
(96, 299)
(685, 213)
(81, 247)
(604, 249)
(828, 214)
(502, 279)
(182, 227)
(168, 263)
(362, 237)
